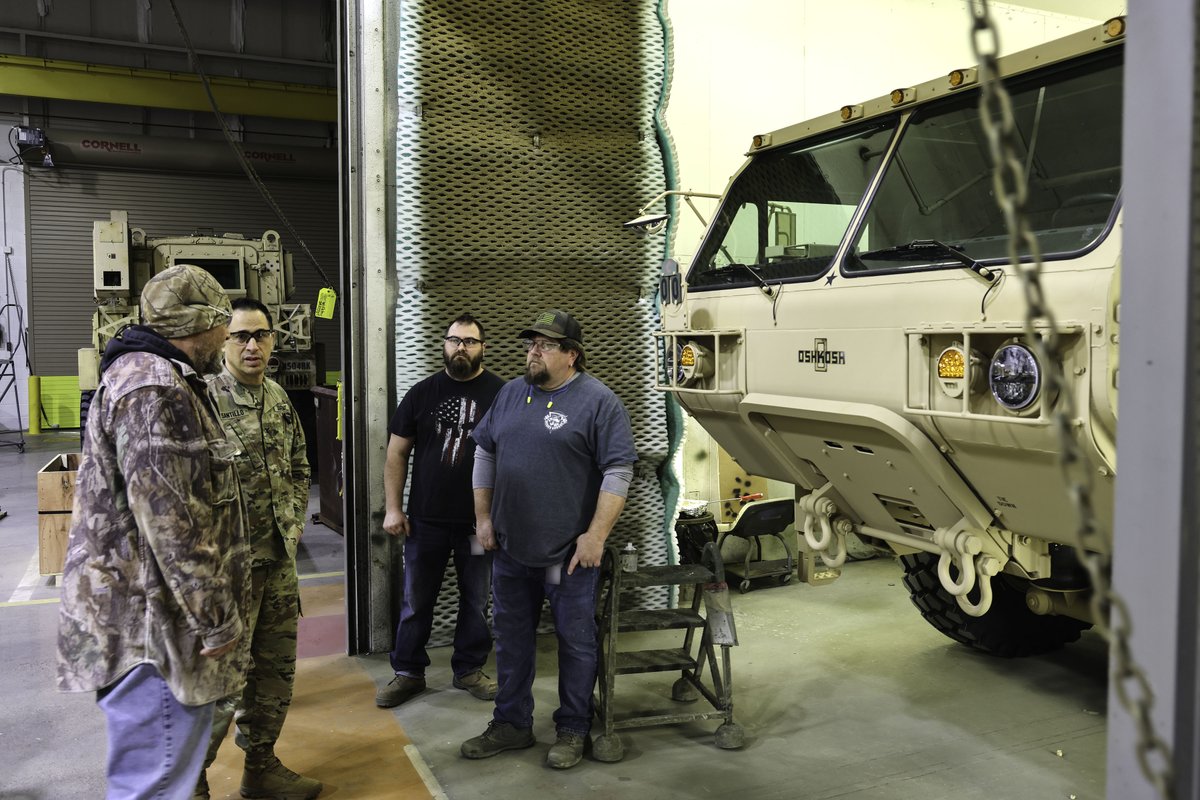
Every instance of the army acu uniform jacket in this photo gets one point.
(156, 564)
(271, 461)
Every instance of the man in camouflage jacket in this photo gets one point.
(261, 423)
(156, 577)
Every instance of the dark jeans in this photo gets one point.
(517, 594)
(426, 551)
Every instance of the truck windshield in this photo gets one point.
(938, 185)
(789, 209)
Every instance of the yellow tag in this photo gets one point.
(326, 302)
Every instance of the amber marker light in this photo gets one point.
(694, 364)
(952, 370)
(962, 77)
(761, 140)
(1115, 27)
(952, 364)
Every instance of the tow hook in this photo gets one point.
(963, 549)
(818, 513)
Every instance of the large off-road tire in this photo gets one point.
(1008, 630)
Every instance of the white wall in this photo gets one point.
(759, 65)
(12, 293)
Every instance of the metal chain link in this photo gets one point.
(1132, 686)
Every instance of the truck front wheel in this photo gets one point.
(1009, 629)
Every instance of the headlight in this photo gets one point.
(1015, 377)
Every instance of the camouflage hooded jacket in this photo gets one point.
(156, 563)
(271, 462)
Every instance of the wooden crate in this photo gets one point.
(56, 483)
(56, 495)
(53, 528)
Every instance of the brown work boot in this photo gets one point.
(498, 737)
(201, 790)
(566, 751)
(273, 780)
(400, 689)
(478, 684)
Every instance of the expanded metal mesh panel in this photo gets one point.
(525, 139)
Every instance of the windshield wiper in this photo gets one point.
(930, 248)
(725, 269)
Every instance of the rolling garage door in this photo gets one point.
(65, 202)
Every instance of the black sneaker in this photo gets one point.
(400, 689)
(498, 737)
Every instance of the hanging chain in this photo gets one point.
(1012, 192)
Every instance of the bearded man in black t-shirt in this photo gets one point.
(432, 428)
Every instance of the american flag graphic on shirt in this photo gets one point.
(454, 420)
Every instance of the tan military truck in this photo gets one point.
(851, 324)
(125, 258)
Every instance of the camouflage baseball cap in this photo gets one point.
(555, 324)
(184, 300)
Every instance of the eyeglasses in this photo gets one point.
(542, 345)
(243, 337)
(455, 341)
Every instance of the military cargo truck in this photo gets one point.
(125, 258)
(851, 324)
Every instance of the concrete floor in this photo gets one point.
(843, 691)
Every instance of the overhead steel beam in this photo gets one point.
(122, 44)
(96, 83)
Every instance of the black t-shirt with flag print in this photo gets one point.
(440, 413)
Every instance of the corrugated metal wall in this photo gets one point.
(64, 203)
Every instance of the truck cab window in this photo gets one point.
(789, 209)
(938, 185)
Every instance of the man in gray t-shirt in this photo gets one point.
(553, 461)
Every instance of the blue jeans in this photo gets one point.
(156, 744)
(426, 550)
(517, 593)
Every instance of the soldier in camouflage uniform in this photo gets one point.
(261, 423)
(156, 578)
